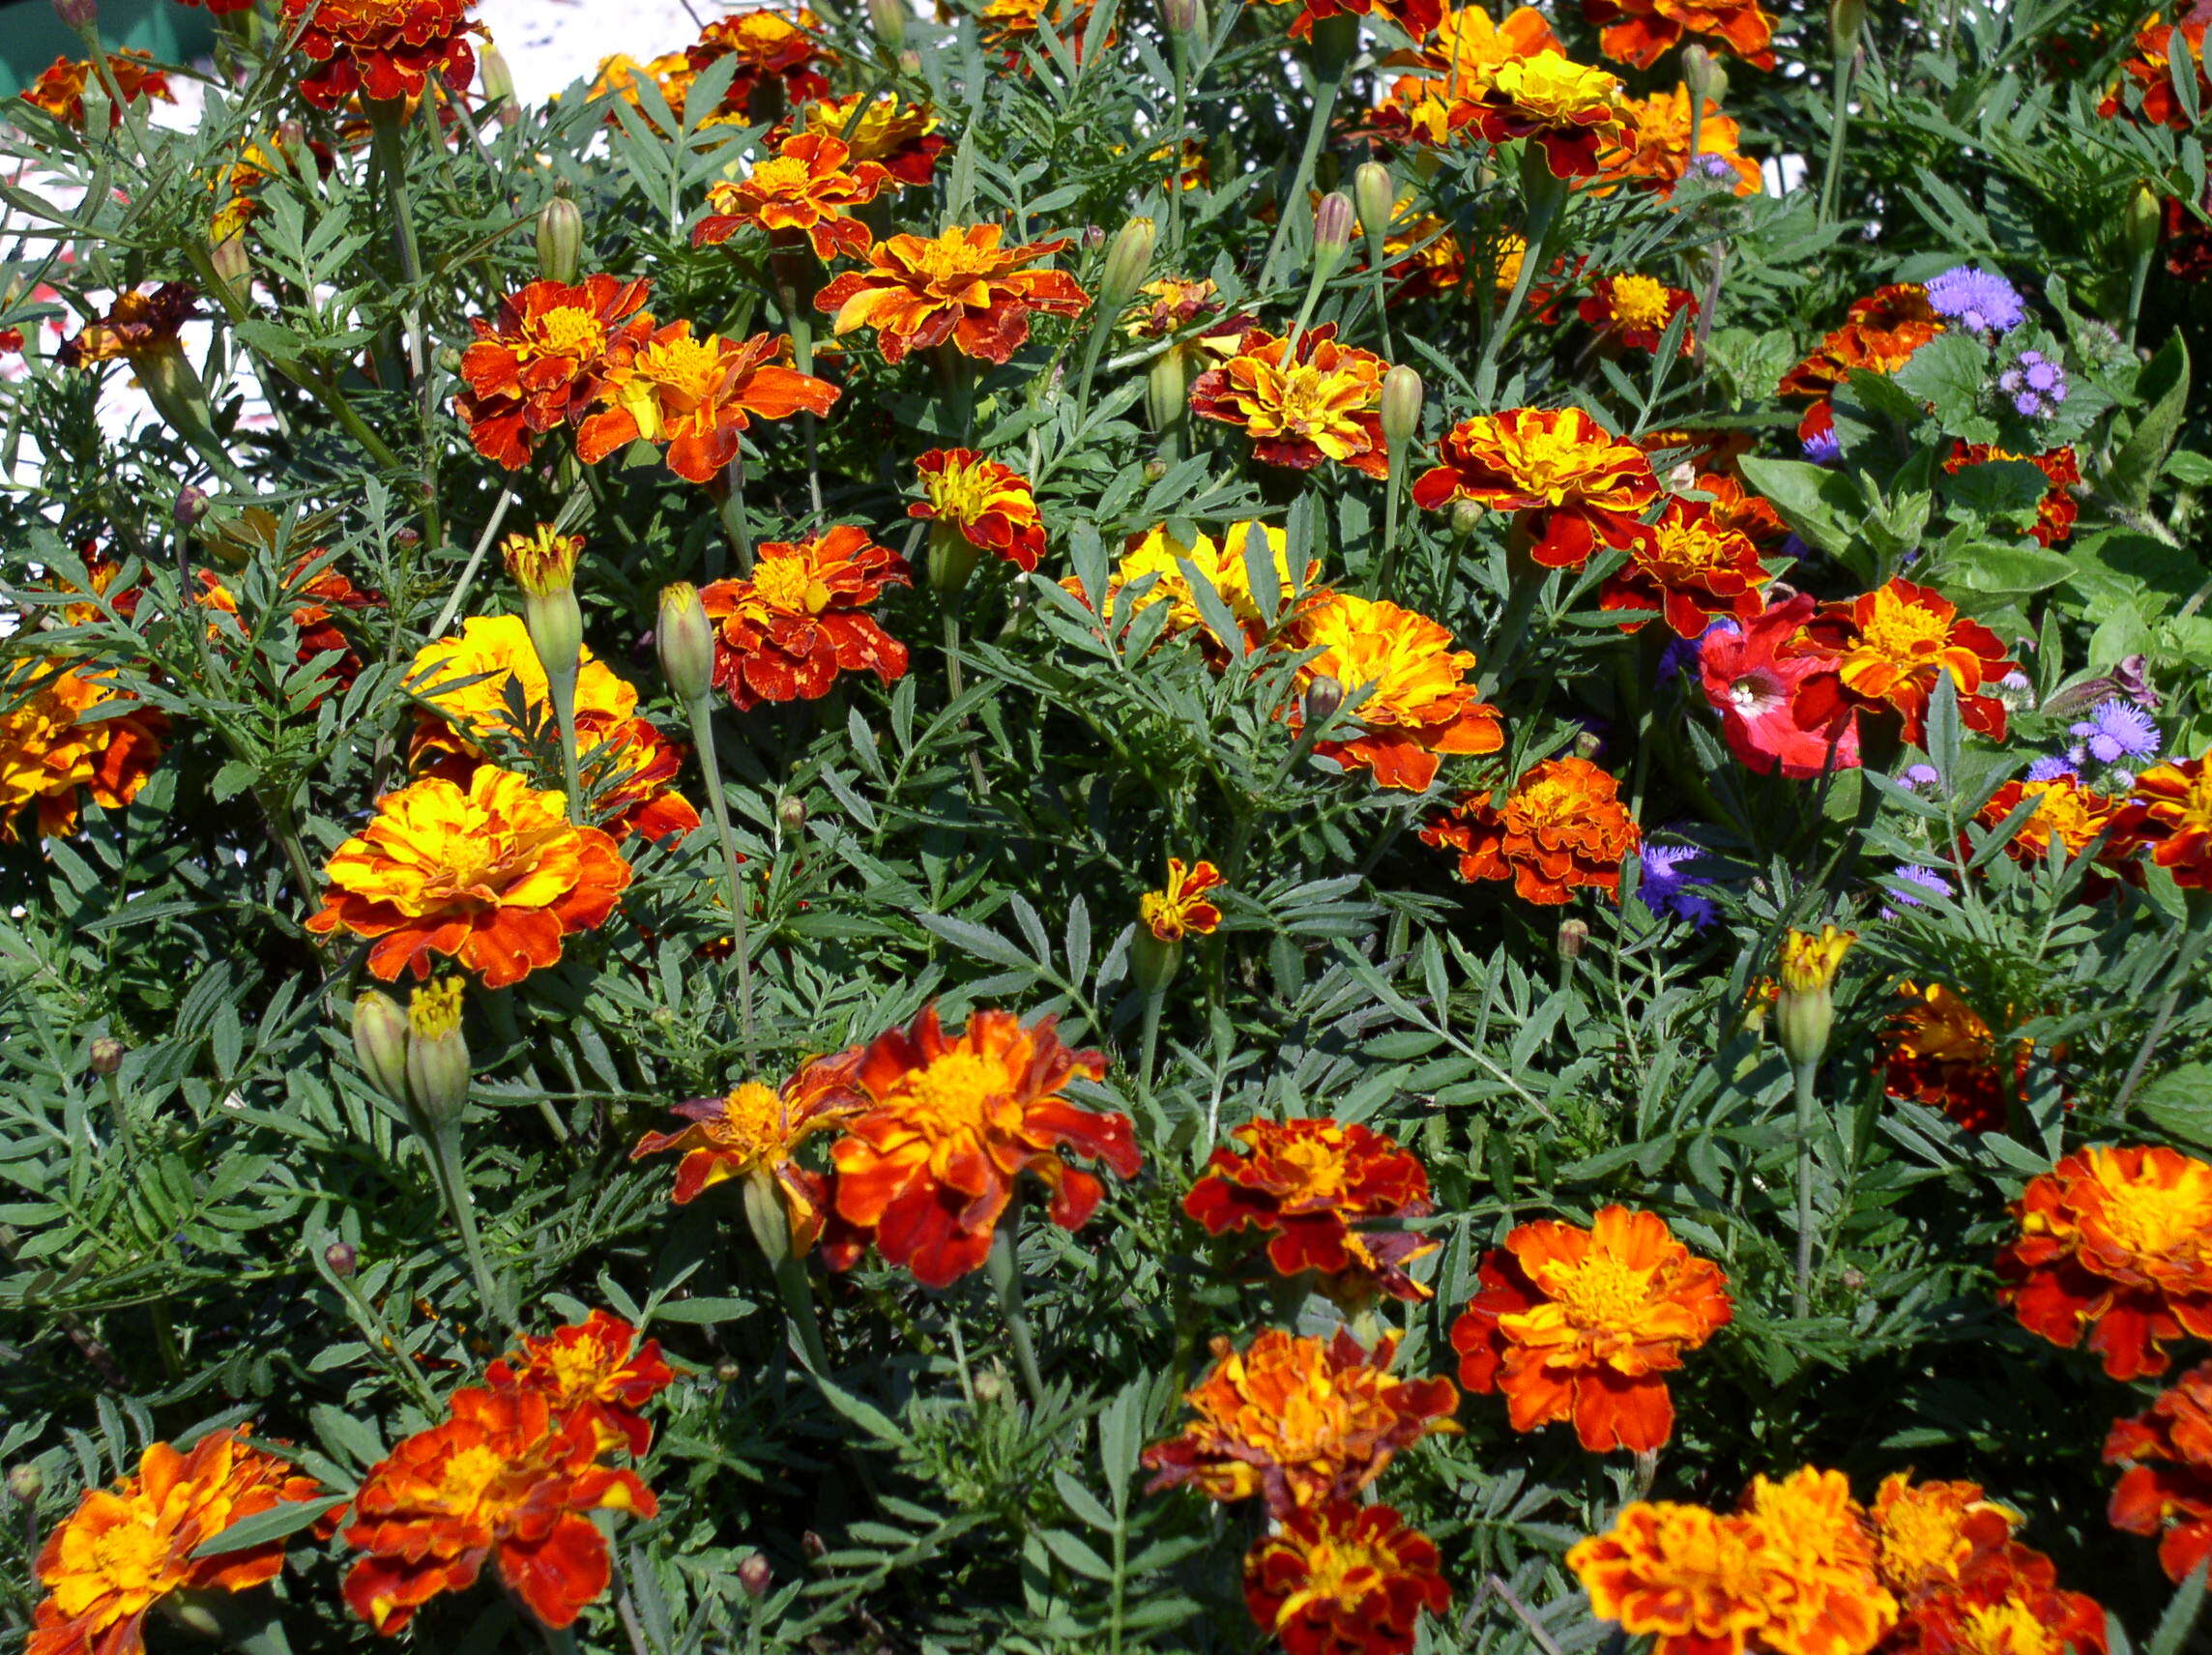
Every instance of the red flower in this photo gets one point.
(596, 1369)
(1572, 485)
(1636, 311)
(2151, 73)
(1885, 648)
(1560, 829)
(1324, 402)
(1692, 567)
(788, 631)
(538, 365)
(1638, 32)
(2170, 809)
(769, 45)
(800, 192)
(383, 49)
(962, 286)
(1751, 675)
(2168, 1450)
(694, 395)
(988, 504)
(2056, 511)
(1344, 1579)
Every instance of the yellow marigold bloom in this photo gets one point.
(900, 138)
(495, 651)
(1810, 959)
(1926, 1534)
(1167, 305)
(1321, 403)
(543, 561)
(1181, 908)
(1822, 1595)
(1654, 146)
(1686, 1575)
(1158, 557)
(434, 1010)
(1419, 702)
(51, 754)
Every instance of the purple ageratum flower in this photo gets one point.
(2034, 384)
(1715, 168)
(2114, 731)
(1977, 299)
(1926, 878)
(1920, 776)
(1823, 449)
(1667, 890)
(2053, 767)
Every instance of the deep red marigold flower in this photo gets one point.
(2056, 511)
(902, 138)
(1634, 311)
(2150, 72)
(1885, 648)
(1637, 32)
(137, 326)
(538, 367)
(1751, 675)
(1692, 567)
(785, 633)
(1322, 403)
(505, 1480)
(2114, 1243)
(1419, 703)
(493, 877)
(768, 45)
(124, 1550)
(60, 90)
(1561, 827)
(1417, 18)
(989, 505)
(1309, 1184)
(597, 1368)
(2166, 1488)
(1572, 485)
(1652, 147)
(52, 754)
(1940, 1051)
(1344, 1579)
(754, 1131)
(382, 49)
(1929, 1536)
(1879, 334)
(950, 1121)
(696, 396)
(2170, 809)
(1298, 1423)
(803, 190)
(1578, 1325)
(962, 287)
(1181, 907)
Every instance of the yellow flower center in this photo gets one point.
(1640, 302)
(1919, 1542)
(2007, 1628)
(1553, 802)
(1554, 462)
(961, 1089)
(566, 331)
(752, 1117)
(2152, 1220)
(130, 1557)
(469, 1477)
(576, 1368)
(1600, 1293)
(783, 175)
(961, 492)
(791, 584)
(1550, 88)
(435, 1012)
(1810, 960)
(1338, 1569)
(685, 371)
(1319, 1162)
(1907, 634)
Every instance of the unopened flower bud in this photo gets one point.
(233, 264)
(1846, 17)
(684, 638)
(952, 558)
(196, 1612)
(791, 813)
(560, 240)
(1126, 261)
(406, 540)
(1184, 19)
(989, 1388)
(888, 18)
(1153, 960)
(26, 1483)
(1574, 937)
(1401, 406)
(543, 561)
(1464, 515)
(106, 1056)
(1376, 196)
(2144, 220)
(191, 506)
(437, 1052)
(753, 1571)
(80, 16)
(1331, 234)
(729, 1370)
(1335, 43)
(1805, 1011)
(1852, 1280)
(1703, 74)
(1323, 696)
(1167, 391)
(1588, 744)
(380, 1043)
(811, 1544)
(341, 1259)
(291, 138)
(493, 74)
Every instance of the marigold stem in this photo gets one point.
(1832, 169)
(561, 691)
(1004, 1267)
(701, 716)
(955, 680)
(1801, 1293)
(1326, 87)
(444, 1143)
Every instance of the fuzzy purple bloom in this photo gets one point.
(1926, 878)
(1665, 888)
(1977, 299)
(1920, 776)
(1823, 449)
(2114, 731)
(2052, 768)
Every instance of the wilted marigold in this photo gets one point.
(696, 396)
(1308, 1185)
(2150, 73)
(1652, 145)
(1884, 649)
(51, 754)
(1573, 486)
(383, 49)
(988, 504)
(950, 1121)
(2056, 511)
(2114, 1243)
(538, 367)
(785, 633)
(597, 1368)
(769, 47)
(1561, 827)
(1155, 561)
(962, 287)
(1298, 1423)
(1940, 1051)
(1638, 32)
(1344, 1578)
(803, 190)
(1579, 1324)
(2170, 809)
(1322, 403)
(901, 137)
(1692, 567)
(1419, 703)
(505, 1480)
(2166, 1488)
(493, 877)
(1181, 907)
(60, 89)
(137, 327)
(125, 1549)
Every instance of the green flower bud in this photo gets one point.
(1127, 260)
(1184, 19)
(380, 1043)
(560, 240)
(1376, 195)
(1167, 391)
(1331, 234)
(2145, 217)
(952, 558)
(1846, 17)
(495, 77)
(437, 1053)
(1401, 406)
(685, 640)
(1154, 961)
(888, 18)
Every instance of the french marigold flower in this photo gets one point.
(1693, 569)
(2116, 1244)
(696, 396)
(1568, 109)
(1309, 1184)
(754, 1131)
(1880, 333)
(2166, 1488)
(1805, 1007)
(2056, 511)
(543, 561)
(2170, 809)
(321, 604)
(962, 286)
(538, 367)
(1297, 1423)
(1652, 147)
(803, 191)
(949, 1121)
(1168, 307)
(1155, 561)
(1693, 1579)
(505, 1480)
(1007, 26)
(137, 327)
(1637, 32)
(1573, 485)
(382, 49)
(2076, 817)
(1751, 675)
(493, 877)
(1344, 1579)
(785, 633)
(51, 754)
(1419, 703)
(1457, 65)
(60, 89)
(1634, 311)
(2150, 73)
(768, 45)
(670, 75)
(988, 504)
(1963, 1585)
(596, 1369)
(1578, 1325)
(1417, 18)
(1181, 907)
(1927, 1535)
(1940, 1051)
(901, 137)
(125, 1549)
(1322, 403)
(1822, 1595)
(1883, 650)
(1562, 827)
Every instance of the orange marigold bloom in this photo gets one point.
(1180, 908)
(1637, 32)
(1457, 65)
(503, 1480)
(1007, 26)
(1344, 1579)
(1568, 109)
(988, 504)
(803, 191)
(2114, 1242)
(1309, 1183)
(1324, 404)
(125, 1549)
(670, 74)
(787, 632)
(1155, 561)
(1927, 1535)
(596, 1368)
(382, 49)
(1694, 1578)
(2170, 809)
(696, 396)
(2056, 511)
(538, 365)
(1652, 147)
(1168, 307)
(137, 326)
(962, 286)
(1421, 258)
(2167, 1488)
(2150, 72)
(1419, 703)
(1572, 484)
(1693, 569)
(2010, 1605)
(2075, 816)
(1940, 1051)
(1885, 648)
(754, 1131)
(768, 45)
(950, 1121)
(51, 753)
(60, 90)
(1879, 334)
(492, 877)
(1298, 1423)
(1575, 1323)
(902, 138)
(1417, 18)
(1635, 310)
(1822, 1594)
(1562, 827)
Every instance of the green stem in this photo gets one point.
(1150, 1041)
(1802, 1293)
(561, 691)
(1393, 487)
(1544, 194)
(1004, 1267)
(387, 118)
(1832, 171)
(733, 883)
(765, 1216)
(735, 523)
(1326, 87)
(955, 681)
(2136, 282)
(1377, 266)
(445, 1148)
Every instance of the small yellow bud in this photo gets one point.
(1805, 1010)
(2144, 220)
(437, 1052)
(543, 561)
(684, 638)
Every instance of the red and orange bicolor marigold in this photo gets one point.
(989, 505)
(318, 602)
(1883, 649)
(1308, 1185)
(1181, 908)
(536, 366)
(493, 875)
(596, 1369)
(1638, 32)
(1580, 1325)
(2150, 72)
(2056, 511)
(1572, 485)
(1417, 18)
(1296, 1423)
(1963, 1585)
(125, 1549)
(1569, 110)
(1879, 334)
(505, 1480)
(1561, 827)
(769, 44)
(1419, 703)
(2116, 1244)
(696, 396)
(901, 137)
(2166, 1488)
(1693, 569)
(383, 49)
(1344, 1578)
(960, 287)
(1323, 402)
(1940, 1051)
(950, 1122)
(136, 326)
(801, 192)
(2074, 817)
(1633, 312)
(1456, 66)
(1823, 1595)
(51, 754)
(60, 89)
(787, 631)
(2170, 809)
(1927, 1535)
